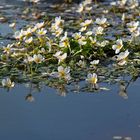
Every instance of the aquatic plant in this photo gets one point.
(58, 52)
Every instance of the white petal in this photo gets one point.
(67, 69)
(60, 68)
(122, 62)
(114, 47)
(3, 82)
(64, 56)
(89, 76)
(57, 53)
(94, 75)
(117, 51)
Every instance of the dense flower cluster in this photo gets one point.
(50, 43)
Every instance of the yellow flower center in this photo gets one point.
(119, 46)
(37, 60)
(62, 74)
(93, 80)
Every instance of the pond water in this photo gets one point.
(78, 116)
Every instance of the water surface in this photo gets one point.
(78, 116)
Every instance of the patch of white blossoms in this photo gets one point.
(8, 83)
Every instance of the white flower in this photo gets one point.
(41, 32)
(29, 40)
(122, 55)
(80, 8)
(8, 48)
(105, 11)
(117, 47)
(34, 29)
(58, 32)
(77, 36)
(93, 41)
(83, 29)
(28, 31)
(136, 32)
(19, 34)
(7, 83)
(103, 43)
(38, 58)
(42, 50)
(121, 2)
(101, 21)
(98, 30)
(57, 54)
(89, 33)
(133, 4)
(61, 57)
(39, 25)
(86, 2)
(64, 72)
(132, 26)
(57, 25)
(65, 37)
(92, 78)
(82, 41)
(121, 58)
(29, 59)
(86, 23)
(12, 25)
(94, 62)
(81, 63)
(88, 8)
(54, 27)
(64, 42)
(58, 21)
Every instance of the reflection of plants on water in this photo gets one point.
(123, 91)
(76, 86)
(124, 85)
(32, 89)
(90, 47)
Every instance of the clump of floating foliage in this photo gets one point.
(100, 44)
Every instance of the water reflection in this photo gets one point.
(30, 98)
(78, 87)
(122, 91)
(82, 116)
(62, 90)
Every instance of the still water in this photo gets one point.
(77, 116)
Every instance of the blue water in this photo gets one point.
(78, 116)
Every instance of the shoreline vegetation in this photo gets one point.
(101, 43)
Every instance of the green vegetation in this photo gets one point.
(100, 44)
